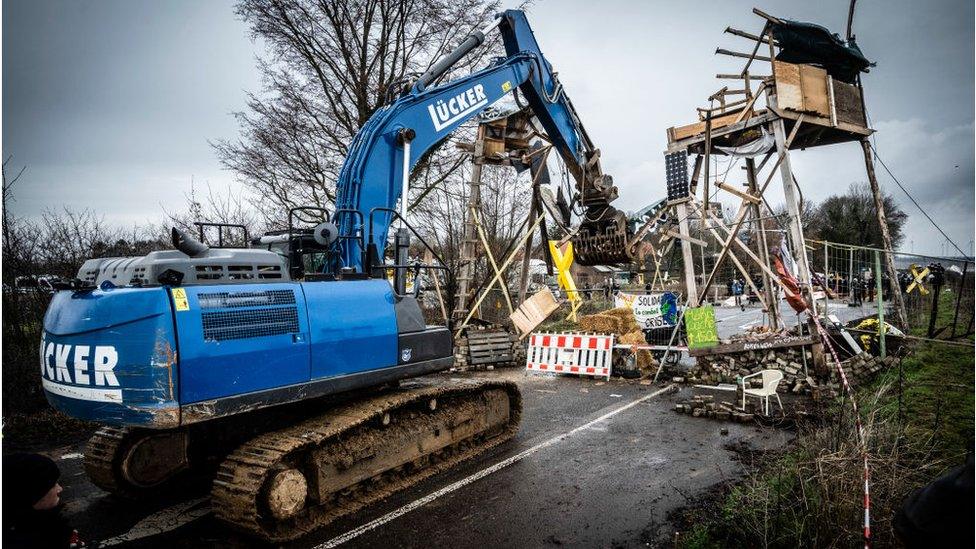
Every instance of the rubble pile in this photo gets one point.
(705, 406)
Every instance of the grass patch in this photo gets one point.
(919, 423)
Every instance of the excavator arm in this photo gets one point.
(376, 171)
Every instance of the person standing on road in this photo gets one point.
(32, 504)
(737, 292)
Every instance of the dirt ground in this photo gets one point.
(595, 463)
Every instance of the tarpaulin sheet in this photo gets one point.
(808, 43)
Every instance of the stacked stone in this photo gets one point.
(727, 368)
(863, 367)
(705, 406)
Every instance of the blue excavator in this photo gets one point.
(291, 373)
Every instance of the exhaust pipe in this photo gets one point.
(187, 244)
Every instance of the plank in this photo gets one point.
(678, 133)
(762, 345)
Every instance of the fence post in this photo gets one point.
(826, 281)
(962, 286)
(880, 292)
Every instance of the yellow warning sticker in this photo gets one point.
(506, 86)
(180, 300)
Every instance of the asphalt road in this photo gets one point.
(595, 464)
(733, 320)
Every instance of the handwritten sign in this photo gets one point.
(700, 326)
(762, 345)
(650, 310)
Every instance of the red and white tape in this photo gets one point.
(861, 434)
(570, 353)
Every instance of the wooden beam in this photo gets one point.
(689, 264)
(738, 265)
(766, 16)
(722, 76)
(752, 102)
(741, 194)
(763, 245)
(726, 246)
(756, 119)
(722, 51)
(755, 50)
(754, 257)
(691, 239)
(744, 34)
(762, 345)
(491, 260)
(505, 264)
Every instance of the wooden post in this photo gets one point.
(527, 251)
(794, 223)
(470, 238)
(900, 316)
(535, 208)
(772, 305)
(691, 285)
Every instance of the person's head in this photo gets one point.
(31, 482)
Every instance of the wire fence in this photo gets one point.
(937, 292)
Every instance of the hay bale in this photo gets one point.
(644, 358)
(632, 338)
(627, 321)
(600, 323)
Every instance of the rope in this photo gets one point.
(862, 437)
(912, 198)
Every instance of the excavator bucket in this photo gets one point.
(603, 238)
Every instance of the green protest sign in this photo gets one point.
(700, 326)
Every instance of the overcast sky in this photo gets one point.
(111, 104)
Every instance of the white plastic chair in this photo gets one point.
(770, 379)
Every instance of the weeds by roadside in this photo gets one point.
(919, 425)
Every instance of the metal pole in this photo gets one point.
(826, 281)
(881, 321)
(850, 278)
(962, 285)
(674, 332)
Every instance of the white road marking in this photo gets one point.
(166, 520)
(73, 455)
(744, 326)
(186, 512)
(356, 532)
(730, 317)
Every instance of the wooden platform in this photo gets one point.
(832, 111)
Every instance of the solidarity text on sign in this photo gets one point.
(650, 310)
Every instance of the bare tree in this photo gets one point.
(505, 200)
(330, 65)
(234, 208)
(20, 238)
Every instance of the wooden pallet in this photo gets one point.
(489, 347)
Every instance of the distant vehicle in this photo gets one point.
(33, 283)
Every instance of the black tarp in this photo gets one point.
(808, 43)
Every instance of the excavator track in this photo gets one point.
(134, 463)
(286, 483)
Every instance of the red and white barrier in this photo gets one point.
(569, 353)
